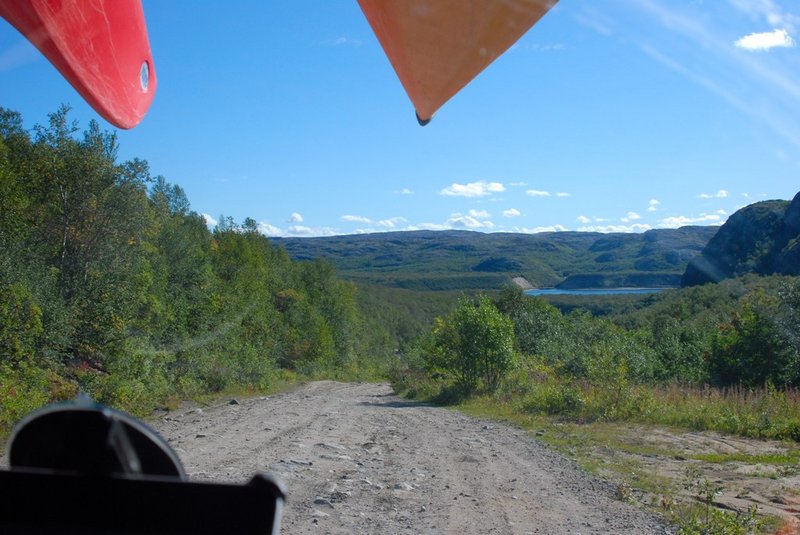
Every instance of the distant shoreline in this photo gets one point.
(594, 291)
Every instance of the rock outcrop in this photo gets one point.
(762, 238)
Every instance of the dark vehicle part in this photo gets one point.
(80, 467)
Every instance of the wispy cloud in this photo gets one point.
(480, 214)
(652, 205)
(606, 229)
(295, 218)
(583, 219)
(472, 189)
(563, 194)
(680, 221)
(765, 40)
(392, 222)
(597, 20)
(721, 194)
(468, 222)
(537, 230)
(724, 69)
(537, 193)
(404, 191)
(767, 11)
(272, 231)
(346, 41)
(517, 184)
(356, 219)
(630, 216)
(511, 212)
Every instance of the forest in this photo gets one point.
(111, 285)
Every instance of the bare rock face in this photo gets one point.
(762, 238)
(788, 261)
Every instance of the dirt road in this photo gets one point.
(358, 459)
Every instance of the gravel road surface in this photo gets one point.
(358, 459)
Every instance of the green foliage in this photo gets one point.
(645, 365)
(474, 342)
(536, 323)
(20, 323)
(111, 284)
(712, 521)
(23, 388)
(754, 348)
(477, 261)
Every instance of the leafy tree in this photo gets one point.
(475, 341)
(536, 323)
(754, 348)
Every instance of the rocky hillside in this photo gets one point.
(762, 238)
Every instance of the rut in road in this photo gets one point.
(358, 459)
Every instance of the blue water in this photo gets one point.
(593, 291)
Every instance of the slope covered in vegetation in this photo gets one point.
(110, 284)
(741, 334)
(470, 261)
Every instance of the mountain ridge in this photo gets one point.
(761, 238)
(468, 260)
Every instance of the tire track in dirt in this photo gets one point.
(358, 459)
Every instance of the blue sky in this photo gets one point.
(621, 115)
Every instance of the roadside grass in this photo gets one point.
(613, 450)
(602, 427)
(765, 412)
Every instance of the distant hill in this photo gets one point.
(464, 260)
(762, 238)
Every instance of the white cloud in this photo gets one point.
(636, 227)
(518, 184)
(392, 222)
(473, 189)
(404, 191)
(340, 41)
(722, 69)
(721, 194)
(295, 218)
(680, 221)
(631, 216)
(583, 219)
(428, 226)
(300, 230)
(537, 193)
(563, 194)
(480, 214)
(468, 222)
(652, 205)
(269, 230)
(765, 40)
(356, 219)
(537, 230)
(722, 212)
(511, 212)
(210, 221)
